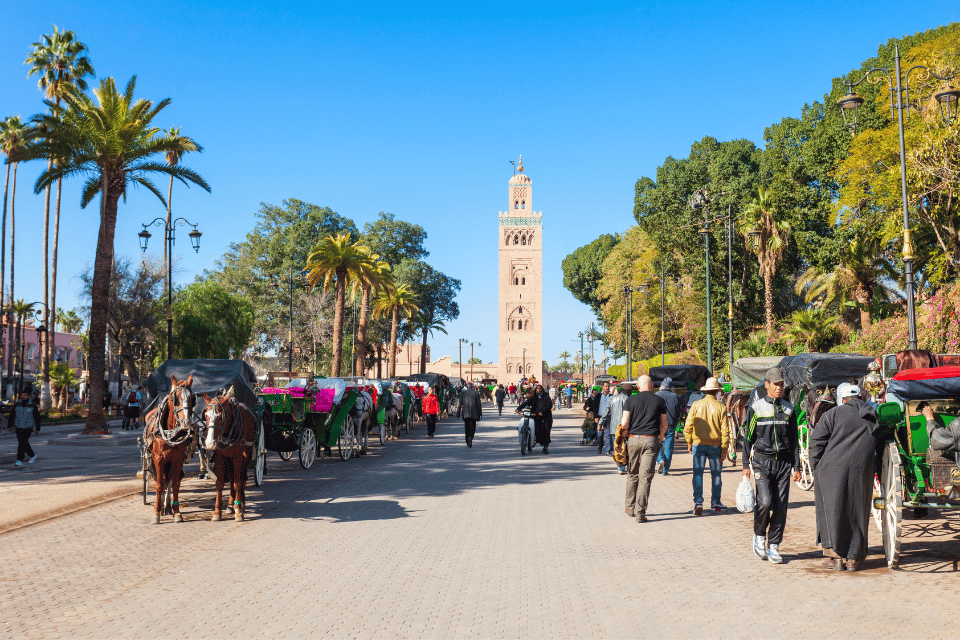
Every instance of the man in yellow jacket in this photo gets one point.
(707, 433)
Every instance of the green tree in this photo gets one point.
(394, 240)
(69, 320)
(13, 135)
(114, 143)
(564, 358)
(435, 293)
(62, 376)
(379, 277)
(582, 270)
(61, 63)
(761, 216)
(813, 330)
(426, 325)
(337, 261)
(395, 302)
(211, 322)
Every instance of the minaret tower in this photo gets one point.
(521, 283)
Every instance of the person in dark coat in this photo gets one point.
(842, 447)
(471, 411)
(500, 394)
(542, 409)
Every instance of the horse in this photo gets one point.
(364, 412)
(168, 433)
(231, 429)
(393, 413)
(736, 414)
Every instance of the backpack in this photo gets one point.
(132, 398)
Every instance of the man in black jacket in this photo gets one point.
(471, 411)
(500, 394)
(771, 437)
(542, 409)
(25, 418)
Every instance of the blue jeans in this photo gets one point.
(666, 451)
(702, 453)
(608, 434)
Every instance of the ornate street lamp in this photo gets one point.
(899, 103)
(700, 200)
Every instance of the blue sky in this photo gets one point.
(417, 108)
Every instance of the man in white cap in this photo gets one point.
(708, 434)
(842, 447)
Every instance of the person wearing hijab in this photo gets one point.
(542, 409)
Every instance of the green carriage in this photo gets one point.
(912, 473)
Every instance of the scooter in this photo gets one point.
(525, 432)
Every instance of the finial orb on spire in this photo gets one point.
(520, 168)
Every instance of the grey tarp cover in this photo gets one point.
(818, 370)
(209, 376)
(681, 375)
(934, 389)
(749, 372)
(432, 379)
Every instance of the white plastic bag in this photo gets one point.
(746, 498)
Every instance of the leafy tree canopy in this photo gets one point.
(582, 270)
(434, 291)
(210, 322)
(393, 240)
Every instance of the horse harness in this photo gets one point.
(183, 424)
(231, 435)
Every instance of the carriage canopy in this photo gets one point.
(209, 376)
(926, 384)
(818, 370)
(691, 376)
(749, 372)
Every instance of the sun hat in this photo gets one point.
(712, 385)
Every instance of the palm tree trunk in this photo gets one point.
(13, 243)
(3, 261)
(99, 301)
(51, 343)
(45, 377)
(362, 330)
(768, 299)
(338, 308)
(394, 325)
(379, 359)
(423, 349)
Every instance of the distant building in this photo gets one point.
(65, 350)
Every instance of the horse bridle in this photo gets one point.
(220, 413)
(181, 416)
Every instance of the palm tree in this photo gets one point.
(761, 216)
(812, 328)
(425, 323)
(173, 157)
(61, 64)
(859, 276)
(69, 320)
(61, 376)
(21, 309)
(112, 142)
(338, 261)
(396, 302)
(564, 358)
(380, 278)
(13, 135)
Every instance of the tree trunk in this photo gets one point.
(768, 300)
(423, 351)
(45, 376)
(3, 265)
(394, 325)
(362, 330)
(379, 359)
(13, 243)
(338, 308)
(99, 301)
(52, 327)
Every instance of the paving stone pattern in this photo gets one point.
(426, 538)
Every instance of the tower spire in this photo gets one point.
(520, 168)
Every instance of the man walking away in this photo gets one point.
(672, 402)
(616, 415)
(771, 441)
(471, 411)
(568, 394)
(25, 419)
(707, 433)
(606, 433)
(842, 448)
(500, 394)
(646, 416)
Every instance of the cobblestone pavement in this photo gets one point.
(431, 539)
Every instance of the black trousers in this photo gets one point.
(773, 494)
(431, 423)
(469, 428)
(24, 450)
(500, 407)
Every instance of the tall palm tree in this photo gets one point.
(426, 324)
(114, 143)
(61, 64)
(761, 216)
(173, 157)
(13, 135)
(381, 277)
(564, 358)
(337, 261)
(860, 275)
(395, 301)
(69, 320)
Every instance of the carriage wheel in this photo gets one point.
(383, 433)
(308, 448)
(877, 513)
(346, 441)
(260, 466)
(285, 455)
(892, 504)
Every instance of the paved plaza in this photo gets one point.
(426, 538)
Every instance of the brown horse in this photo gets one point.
(231, 431)
(167, 435)
(736, 414)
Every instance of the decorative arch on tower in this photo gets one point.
(519, 318)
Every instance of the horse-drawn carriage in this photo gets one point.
(447, 396)
(913, 473)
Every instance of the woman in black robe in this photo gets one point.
(541, 406)
(842, 448)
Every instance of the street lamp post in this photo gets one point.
(524, 365)
(900, 102)
(663, 338)
(460, 344)
(701, 200)
(170, 239)
(471, 360)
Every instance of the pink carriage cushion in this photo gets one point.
(273, 390)
(323, 400)
(297, 392)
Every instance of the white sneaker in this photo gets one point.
(660, 466)
(760, 547)
(773, 552)
(19, 464)
(32, 460)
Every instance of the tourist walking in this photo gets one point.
(592, 403)
(672, 402)
(605, 439)
(645, 417)
(617, 401)
(771, 443)
(542, 410)
(431, 409)
(471, 411)
(568, 394)
(499, 395)
(513, 393)
(25, 420)
(707, 433)
(842, 447)
(553, 394)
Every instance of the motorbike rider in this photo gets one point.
(542, 409)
